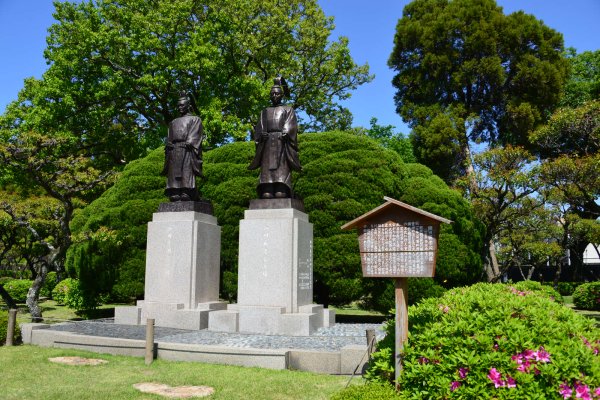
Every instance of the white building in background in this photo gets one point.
(590, 255)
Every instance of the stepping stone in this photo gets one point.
(77, 361)
(177, 392)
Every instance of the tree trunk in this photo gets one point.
(7, 298)
(33, 295)
(492, 269)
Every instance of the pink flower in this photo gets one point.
(496, 378)
(454, 385)
(423, 360)
(524, 366)
(510, 382)
(582, 392)
(444, 309)
(565, 391)
(462, 372)
(597, 392)
(529, 355)
(542, 355)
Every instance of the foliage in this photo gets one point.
(583, 84)
(344, 175)
(4, 328)
(389, 139)
(570, 175)
(566, 288)
(439, 143)
(69, 293)
(587, 296)
(498, 341)
(116, 69)
(49, 284)
(17, 289)
(369, 391)
(423, 288)
(500, 75)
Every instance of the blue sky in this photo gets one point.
(369, 26)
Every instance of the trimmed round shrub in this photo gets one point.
(68, 292)
(565, 288)
(49, 284)
(18, 288)
(495, 341)
(4, 328)
(369, 391)
(587, 296)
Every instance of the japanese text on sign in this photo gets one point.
(393, 249)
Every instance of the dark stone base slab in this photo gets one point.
(267, 204)
(201, 206)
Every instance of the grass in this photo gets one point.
(115, 379)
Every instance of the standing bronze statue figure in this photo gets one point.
(183, 154)
(276, 139)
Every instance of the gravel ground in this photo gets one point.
(325, 339)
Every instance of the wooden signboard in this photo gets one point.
(397, 240)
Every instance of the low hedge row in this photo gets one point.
(587, 296)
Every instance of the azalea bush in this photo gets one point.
(496, 341)
(587, 296)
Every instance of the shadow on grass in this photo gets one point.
(96, 314)
(360, 319)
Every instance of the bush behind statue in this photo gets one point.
(587, 296)
(344, 175)
(494, 341)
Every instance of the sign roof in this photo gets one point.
(392, 203)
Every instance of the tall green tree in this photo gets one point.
(116, 69)
(496, 76)
(583, 84)
(505, 183)
(62, 170)
(569, 146)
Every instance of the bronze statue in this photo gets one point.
(276, 139)
(183, 154)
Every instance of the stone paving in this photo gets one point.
(325, 339)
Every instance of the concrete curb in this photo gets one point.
(342, 362)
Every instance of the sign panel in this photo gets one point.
(398, 248)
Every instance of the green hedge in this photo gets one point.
(494, 341)
(587, 296)
(18, 288)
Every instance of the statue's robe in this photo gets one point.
(277, 153)
(183, 152)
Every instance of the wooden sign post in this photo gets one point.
(398, 241)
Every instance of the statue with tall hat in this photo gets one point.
(183, 153)
(276, 139)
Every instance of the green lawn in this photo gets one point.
(26, 373)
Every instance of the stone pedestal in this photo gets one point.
(182, 272)
(275, 277)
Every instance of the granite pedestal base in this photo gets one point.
(182, 272)
(275, 277)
